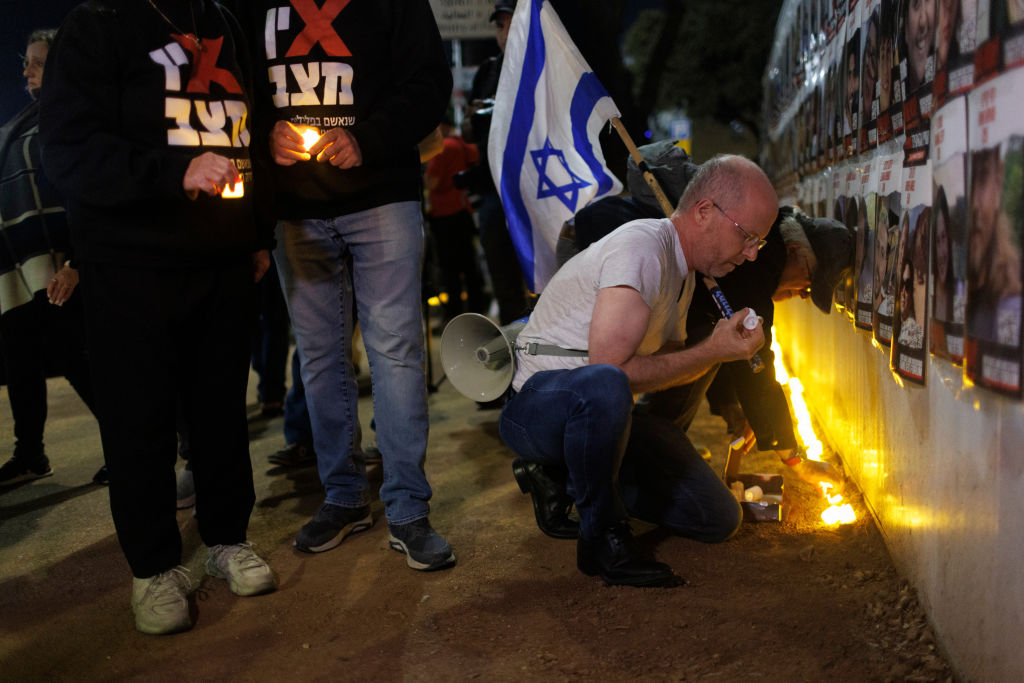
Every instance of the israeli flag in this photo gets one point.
(543, 147)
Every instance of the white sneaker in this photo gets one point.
(160, 603)
(246, 572)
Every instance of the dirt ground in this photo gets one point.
(789, 601)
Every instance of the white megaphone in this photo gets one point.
(478, 356)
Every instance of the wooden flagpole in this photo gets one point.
(651, 181)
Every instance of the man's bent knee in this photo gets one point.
(607, 389)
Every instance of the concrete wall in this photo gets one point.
(942, 468)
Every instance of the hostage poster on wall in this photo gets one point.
(999, 37)
(851, 89)
(910, 348)
(848, 181)
(917, 59)
(956, 33)
(867, 215)
(887, 228)
(949, 230)
(869, 80)
(890, 88)
(992, 352)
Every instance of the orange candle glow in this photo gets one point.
(233, 191)
(310, 137)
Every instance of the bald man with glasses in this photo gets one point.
(612, 324)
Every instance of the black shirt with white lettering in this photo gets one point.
(130, 96)
(376, 68)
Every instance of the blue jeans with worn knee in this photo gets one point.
(619, 459)
(386, 249)
(578, 419)
(663, 480)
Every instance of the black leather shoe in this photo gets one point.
(551, 504)
(616, 558)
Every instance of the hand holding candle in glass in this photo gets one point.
(290, 143)
(310, 137)
(233, 191)
(209, 173)
(338, 147)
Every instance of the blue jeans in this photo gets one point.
(386, 249)
(618, 460)
(297, 429)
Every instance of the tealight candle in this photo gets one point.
(233, 191)
(310, 137)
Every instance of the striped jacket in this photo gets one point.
(34, 237)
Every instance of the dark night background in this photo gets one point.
(18, 18)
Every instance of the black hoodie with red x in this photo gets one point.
(376, 68)
(133, 91)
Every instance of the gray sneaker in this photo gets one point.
(160, 602)
(330, 526)
(246, 572)
(424, 548)
(186, 489)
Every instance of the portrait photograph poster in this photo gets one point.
(949, 230)
(992, 352)
(867, 216)
(887, 227)
(909, 350)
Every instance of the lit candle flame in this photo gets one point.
(835, 513)
(839, 514)
(233, 191)
(310, 137)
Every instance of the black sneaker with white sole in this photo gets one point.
(330, 526)
(424, 548)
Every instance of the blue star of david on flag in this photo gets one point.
(568, 193)
(549, 111)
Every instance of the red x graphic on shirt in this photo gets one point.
(318, 28)
(204, 66)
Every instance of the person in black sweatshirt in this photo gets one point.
(144, 121)
(344, 92)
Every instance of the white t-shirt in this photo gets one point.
(644, 254)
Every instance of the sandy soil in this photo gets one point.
(789, 601)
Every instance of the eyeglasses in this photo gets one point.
(748, 239)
